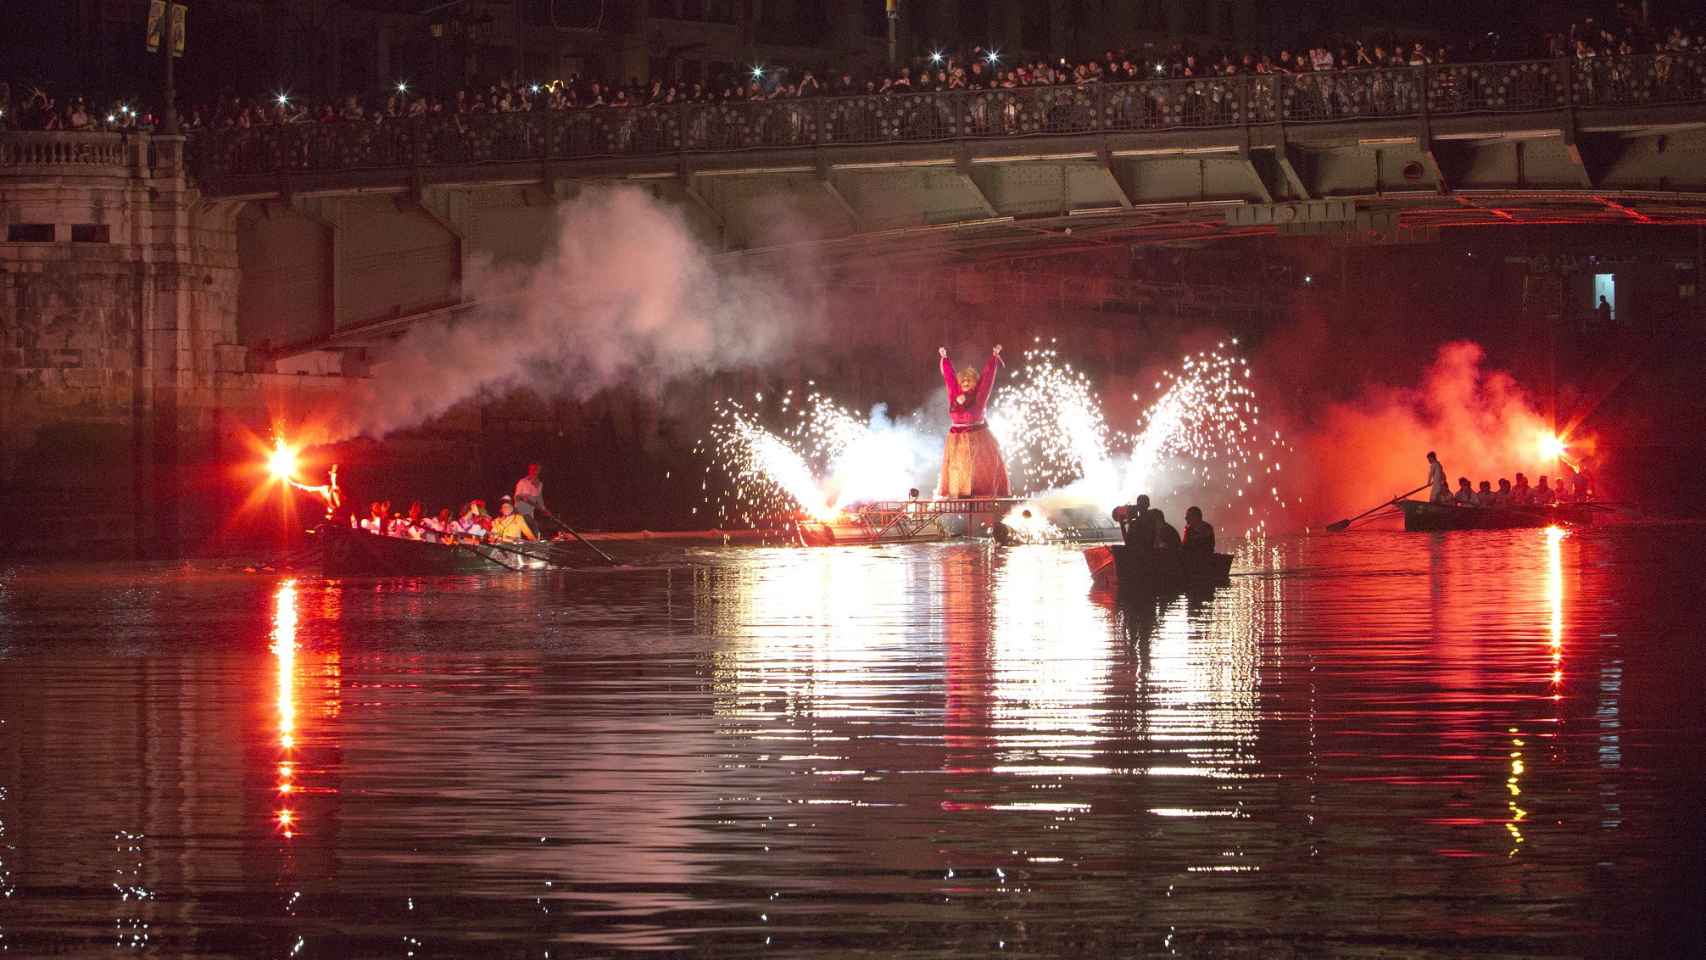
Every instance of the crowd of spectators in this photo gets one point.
(973, 68)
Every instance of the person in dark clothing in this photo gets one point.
(1166, 535)
(1199, 535)
(1137, 524)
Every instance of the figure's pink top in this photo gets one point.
(970, 412)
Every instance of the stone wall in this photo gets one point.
(121, 377)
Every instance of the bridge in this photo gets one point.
(1404, 151)
(160, 292)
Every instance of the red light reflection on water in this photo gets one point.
(1555, 601)
(284, 654)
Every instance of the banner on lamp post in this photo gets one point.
(157, 26)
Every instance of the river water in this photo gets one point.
(1374, 744)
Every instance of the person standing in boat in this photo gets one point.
(972, 465)
(1199, 534)
(328, 492)
(530, 497)
(1543, 493)
(1137, 524)
(1439, 489)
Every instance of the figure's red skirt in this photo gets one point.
(972, 465)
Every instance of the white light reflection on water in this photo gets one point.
(805, 633)
(1051, 655)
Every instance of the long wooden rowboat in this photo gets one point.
(1115, 566)
(348, 552)
(1422, 515)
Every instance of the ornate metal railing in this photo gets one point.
(1150, 105)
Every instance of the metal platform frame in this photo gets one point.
(897, 521)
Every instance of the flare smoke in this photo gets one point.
(625, 295)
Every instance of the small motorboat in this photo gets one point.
(1116, 566)
(1423, 515)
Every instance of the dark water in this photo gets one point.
(1369, 745)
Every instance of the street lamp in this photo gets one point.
(893, 7)
(992, 56)
(935, 56)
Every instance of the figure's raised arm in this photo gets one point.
(948, 374)
(986, 383)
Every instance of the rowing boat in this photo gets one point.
(348, 552)
(1116, 566)
(1422, 515)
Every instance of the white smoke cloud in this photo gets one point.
(627, 294)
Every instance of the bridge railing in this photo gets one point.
(1147, 105)
(38, 152)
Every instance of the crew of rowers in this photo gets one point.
(516, 520)
(1519, 494)
(1147, 529)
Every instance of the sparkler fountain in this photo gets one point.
(1201, 437)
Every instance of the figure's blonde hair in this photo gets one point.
(967, 378)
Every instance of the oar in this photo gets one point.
(1342, 524)
(546, 556)
(476, 552)
(553, 518)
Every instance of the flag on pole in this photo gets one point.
(180, 13)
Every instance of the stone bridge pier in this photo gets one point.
(123, 388)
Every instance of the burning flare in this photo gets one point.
(282, 461)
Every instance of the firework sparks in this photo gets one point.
(1026, 524)
(1201, 437)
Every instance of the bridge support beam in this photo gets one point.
(1289, 163)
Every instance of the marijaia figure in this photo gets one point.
(971, 459)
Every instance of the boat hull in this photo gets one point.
(1117, 567)
(1420, 515)
(345, 552)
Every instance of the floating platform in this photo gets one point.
(905, 521)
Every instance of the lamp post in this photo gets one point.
(894, 27)
(168, 47)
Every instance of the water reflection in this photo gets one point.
(930, 750)
(284, 652)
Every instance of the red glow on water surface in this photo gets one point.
(284, 654)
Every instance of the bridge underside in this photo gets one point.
(370, 250)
